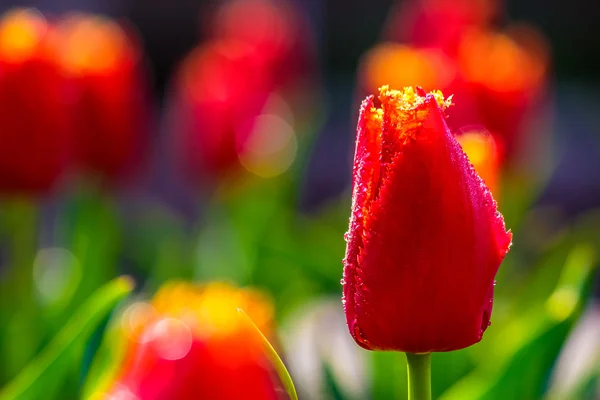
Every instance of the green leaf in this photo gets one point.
(520, 356)
(280, 368)
(42, 375)
(103, 369)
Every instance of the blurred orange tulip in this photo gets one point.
(190, 342)
(506, 72)
(401, 65)
(481, 149)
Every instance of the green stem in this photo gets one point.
(419, 376)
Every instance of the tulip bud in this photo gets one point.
(506, 73)
(109, 108)
(425, 238)
(275, 31)
(221, 86)
(33, 128)
(438, 23)
(192, 343)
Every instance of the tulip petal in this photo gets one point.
(420, 277)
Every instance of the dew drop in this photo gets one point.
(347, 236)
(359, 336)
(358, 280)
(342, 282)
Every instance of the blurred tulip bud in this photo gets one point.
(191, 342)
(400, 66)
(506, 73)
(220, 87)
(34, 135)
(109, 96)
(438, 23)
(274, 30)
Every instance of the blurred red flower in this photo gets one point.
(505, 73)
(34, 134)
(110, 113)
(438, 24)
(425, 238)
(496, 77)
(274, 30)
(192, 343)
(220, 88)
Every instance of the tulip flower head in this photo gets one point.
(220, 87)
(34, 128)
(425, 239)
(275, 31)
(102, 63)
(506, 73)
(439, 23)
(191, 343)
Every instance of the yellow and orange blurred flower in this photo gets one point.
(505, 73)
(480, 148)
(191, 342)
(496, 76)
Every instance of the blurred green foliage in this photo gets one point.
(251, 233)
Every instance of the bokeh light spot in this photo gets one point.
(172, 338)
(56, 272)
(135, 318)
(271, 147)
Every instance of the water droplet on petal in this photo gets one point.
(359, 336)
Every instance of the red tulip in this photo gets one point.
(33, 127)
(274, 30)
(191, 343)
(109, 109)
(425, 238)
(439, 23)
(221, 88)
